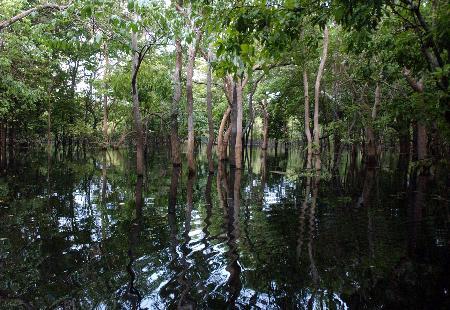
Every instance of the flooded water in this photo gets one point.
(84, 232)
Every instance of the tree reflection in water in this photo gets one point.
(132, 294)
(86, 233)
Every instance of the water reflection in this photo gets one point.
(133, 296)
(86, 233)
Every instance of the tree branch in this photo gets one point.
(6, 23)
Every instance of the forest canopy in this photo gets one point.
(107, 73)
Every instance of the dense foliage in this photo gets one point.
(58, 64)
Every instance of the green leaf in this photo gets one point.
(134, 27)
(131, 6)
(86, 11)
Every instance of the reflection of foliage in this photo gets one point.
(71, 243)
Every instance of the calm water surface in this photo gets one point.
(83, 232)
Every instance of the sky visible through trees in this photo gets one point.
(269, 113)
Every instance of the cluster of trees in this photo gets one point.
(105, 72)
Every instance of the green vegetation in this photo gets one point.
(68, 70)
(257, 102)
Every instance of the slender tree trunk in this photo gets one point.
(317, 96)
(421, 136)
(210, 117)
(174, 140)
(105, 98)
(3, 129)
(11, 140)
(221, 145)
(233, 125)
(307, 121)
(136, 109)
(252, 118)
(371, 145)
(49, 128)
(190, 104)
(265, 141)
(239, 116)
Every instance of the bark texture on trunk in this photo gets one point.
(265, 141)
(105, 98)
(233, 125)
(239, 117)
(190, 103)
(222, 139)
(307, 121)
(317, 96)
(136, 109)
(422, 141)
(421, 135)
(174, 140)
(210, 117)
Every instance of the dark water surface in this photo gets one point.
(84, 232)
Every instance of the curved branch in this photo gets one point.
(22, 15)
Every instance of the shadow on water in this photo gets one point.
(85, 232)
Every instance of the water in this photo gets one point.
(75, 234)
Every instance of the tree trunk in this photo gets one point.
(3, 144)
(239, 116)
(49, 129)
(210, 117)
(422, 141)
(105, 98)
(420, 136)
(11, 140)
(317, 96)
(265, 141)
(174, 141)
(190, 104)
(404, 143)
(307, 121)
(371, 145)
(221, 145)
(136, 110)
(233, 125)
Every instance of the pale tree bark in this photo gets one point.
(317, 96)
(174, 140)
(239, 117)
(48, 6)
(377, 103)
(248, 131)
(105, 98)
(136, 109)
(222, 140)
(210, 117)
(307, 120)
(265, 141)
(190, 103)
